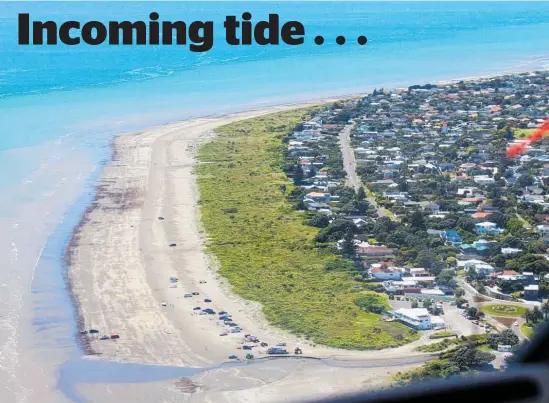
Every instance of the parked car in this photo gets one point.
(263, 344)
(202, 281)
(281, 344)
(207, 300)
(247, 347)
(235, 330)
(196, 308)
(195, 293)
(223, 333)
(209, 311)
(188, 295)
(223, 313)
(516, 323)
(233, 357)
(104, 337)
(164, 303)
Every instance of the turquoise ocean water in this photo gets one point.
(60, 106)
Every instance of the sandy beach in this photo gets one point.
(120, 263)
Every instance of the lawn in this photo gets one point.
(503, 310)
(266, 251)
(522, 133)
(527, 330)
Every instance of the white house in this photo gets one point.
(416, 318)
(542, 229)
(488, 228)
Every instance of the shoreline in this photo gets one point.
(203, 128)
(86, 343)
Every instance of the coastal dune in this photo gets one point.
(120, 261)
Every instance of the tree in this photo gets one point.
(525, 180)
(508, 338)
(472, 312)
(537, 315)
(417, 221)
(298, 175)
(536, 246)
(427, 303)
(320, 220)
(446, 277)
(414, 304)
(459, 292)
(348, 248)
(468, 357)
(545, 309)
(361, 194)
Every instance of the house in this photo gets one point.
(369, 251)
(319, 197)
(379, 271)
(416, 318)
(488, 227)
(531, 292)
(451, 237)
(510, 251)
(402, 287)
(543, 230)
(419, 272)
(483, 179)
(479, 266)
(359, 222)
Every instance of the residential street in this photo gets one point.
(349, 161)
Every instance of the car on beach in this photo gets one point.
(188, 295)
(281, 344)
(246, 347)
(164, 303)
(202, 281)
(209, 311)
(236, 330)
(223, 333)
(197, 308)
(195, 293)
(233, 357)
(203, 313)
(207, 300)
(223, 313)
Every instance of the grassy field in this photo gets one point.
(265, 250)
(503, 310)
(527, 330)
(442, 333)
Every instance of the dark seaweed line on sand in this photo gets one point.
(83, 340)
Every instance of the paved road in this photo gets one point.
(349, 161)
(470, 292)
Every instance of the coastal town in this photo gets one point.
(390, 229)
(432, 213)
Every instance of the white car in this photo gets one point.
(515, 324)
(164, 303)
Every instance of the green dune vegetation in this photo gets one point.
(267, 252)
